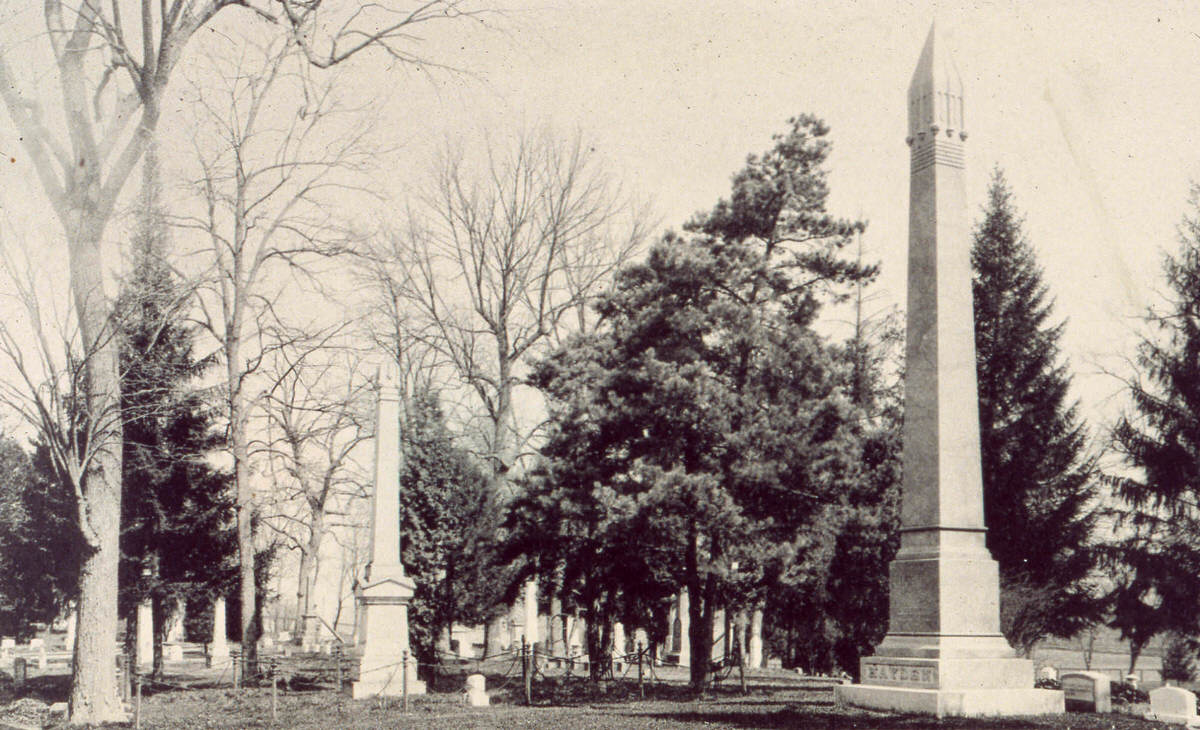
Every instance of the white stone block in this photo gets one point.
(1174, 705)
(173, 652)
(477, 691)
(951, 702)
(1087, 691)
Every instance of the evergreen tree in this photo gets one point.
(702, 430)
(857, 584)
(41, 550)
(177, 541)
(1159, 559)
(448, 519)
(1179, 659)
(1039, 482)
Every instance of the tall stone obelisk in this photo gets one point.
(385, 591)
(943, 653)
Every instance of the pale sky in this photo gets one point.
(1090, 108)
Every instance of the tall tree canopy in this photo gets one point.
(700, 436)
(1039, 481)
(1159, 581)
(448, 518)
(40, 546)
(177, 539)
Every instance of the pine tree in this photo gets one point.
(448, 519)
(1039, 482)
(41, 550)
(1159, 559)
(702, 429)
(177, 507)
(857, 583)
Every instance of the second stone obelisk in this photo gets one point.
(387, 666)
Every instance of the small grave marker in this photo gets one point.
(1173, 705)
(1087, 691)
(476, 690)
(20, 671)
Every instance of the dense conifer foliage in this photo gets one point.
(702, 436)
(1039, 480)
(177, 543)
(1158, 561)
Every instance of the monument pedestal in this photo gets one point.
(944, 654)
(951, 702)
(383, 601)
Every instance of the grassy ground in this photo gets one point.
(775, 700)
(803, 710)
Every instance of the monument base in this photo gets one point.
(383, 612)
(951, 702)
(962, 686)
(382, 677)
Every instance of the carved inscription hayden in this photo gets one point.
(877, 672)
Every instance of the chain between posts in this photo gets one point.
(641, 681)
(137, 701)
(404, 677)
(526, 675)
(274, 692)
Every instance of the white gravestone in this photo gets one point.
(218, 648)
(72, 622)
(1048, 673)
(529, 605)
(1173, 705)
(175, 622)
(1087, 691)
(145, 635)
(40, 646)
(477, 690)
(754, 659)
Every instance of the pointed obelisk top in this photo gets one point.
(935, 95)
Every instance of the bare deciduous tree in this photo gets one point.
(112, 75)
(267, 179)
(317, 416)
(500, 258)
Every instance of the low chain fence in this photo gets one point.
(521, 674)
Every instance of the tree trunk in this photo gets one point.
(245, 532)
(307, 578)
(159, 609)
(1135, 651)
(708, 623)
(700, 644)
(504, 450)
(599, 640)
(302, 590)
(94, 697)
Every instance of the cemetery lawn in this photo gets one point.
(772, 702)
(326, 709)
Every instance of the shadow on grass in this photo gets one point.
(797, 718)
(48, 689)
